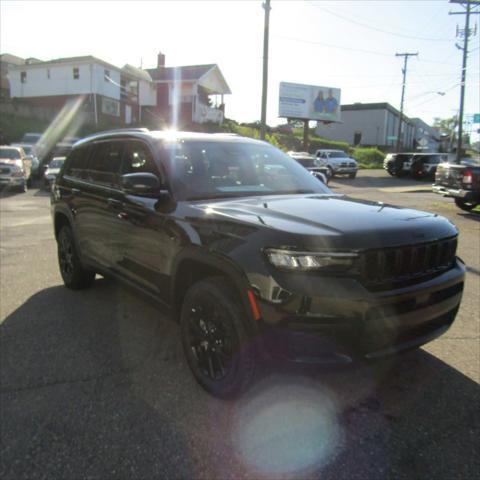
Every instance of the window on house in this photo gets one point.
(48, 73)
(23, 77)
(107, 75)
(76, 73)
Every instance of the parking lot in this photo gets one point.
(94, 383)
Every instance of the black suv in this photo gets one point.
(252, 253)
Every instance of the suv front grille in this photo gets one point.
(396, 265)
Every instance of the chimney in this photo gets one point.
(160, 60)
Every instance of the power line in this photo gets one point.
(350, 49)
(370, 27)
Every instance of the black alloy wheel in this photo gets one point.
(211, 340)
(74, 275)
(215, 339)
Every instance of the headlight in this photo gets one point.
(307, 261)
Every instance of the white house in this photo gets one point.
(108, 91)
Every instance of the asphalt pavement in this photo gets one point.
(94, 384)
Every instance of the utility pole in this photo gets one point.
(404, 71)
(466, 34)
(263, 121)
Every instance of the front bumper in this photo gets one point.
(345, 170)
(12, 181)
(348, 322)
(454, 192)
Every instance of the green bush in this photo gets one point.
(368, 157)
(317, 143)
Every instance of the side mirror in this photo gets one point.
(142, 184)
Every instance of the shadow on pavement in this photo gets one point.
(375, 181)
(471, 216)
(94, 384)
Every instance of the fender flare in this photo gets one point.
(223, 264)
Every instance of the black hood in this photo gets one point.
(333, 220)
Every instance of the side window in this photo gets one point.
(76, 163)
(105, 163)
(139, 159)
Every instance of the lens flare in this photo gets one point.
(287, 428)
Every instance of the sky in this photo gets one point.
(345, 44)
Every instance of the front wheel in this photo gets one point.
(215, 339)
(74, 275)
(352, 175)
(465, 206)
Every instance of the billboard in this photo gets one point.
(309, 102)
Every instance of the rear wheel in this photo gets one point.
(74, 275)
(215, 339)
(466, 206)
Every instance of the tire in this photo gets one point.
(352, 175)
(24, 187)
(465, 206)
(211, 314)
(74, 275)
(331, 172)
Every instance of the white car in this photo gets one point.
(338, 162)
(53, 169)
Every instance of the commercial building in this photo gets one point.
(370, 124)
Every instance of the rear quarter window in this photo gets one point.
(76, 163)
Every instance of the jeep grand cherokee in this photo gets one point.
(252, 253)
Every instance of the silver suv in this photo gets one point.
(338, 162)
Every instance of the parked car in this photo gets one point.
(459, 181)
(393, 163)
(31, 138)
(338, 162)
(53, 169)
(15, 168)
(423, 165)
(29, 152)
(59, 150)
(316, 166)
(253, 255)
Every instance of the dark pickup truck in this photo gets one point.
(460, 181)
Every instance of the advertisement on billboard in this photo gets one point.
(309, 102)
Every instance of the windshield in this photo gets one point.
(201, 170)
(57, 163)
(9, 153)
(31, 137)
(337, 155)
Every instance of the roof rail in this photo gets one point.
(139, 129)
(117, 130)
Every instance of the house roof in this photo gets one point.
(136, 72)
(12, 59)
(185, 73)
(71, 60)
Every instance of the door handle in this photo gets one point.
(76, 191)
(114, 203)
